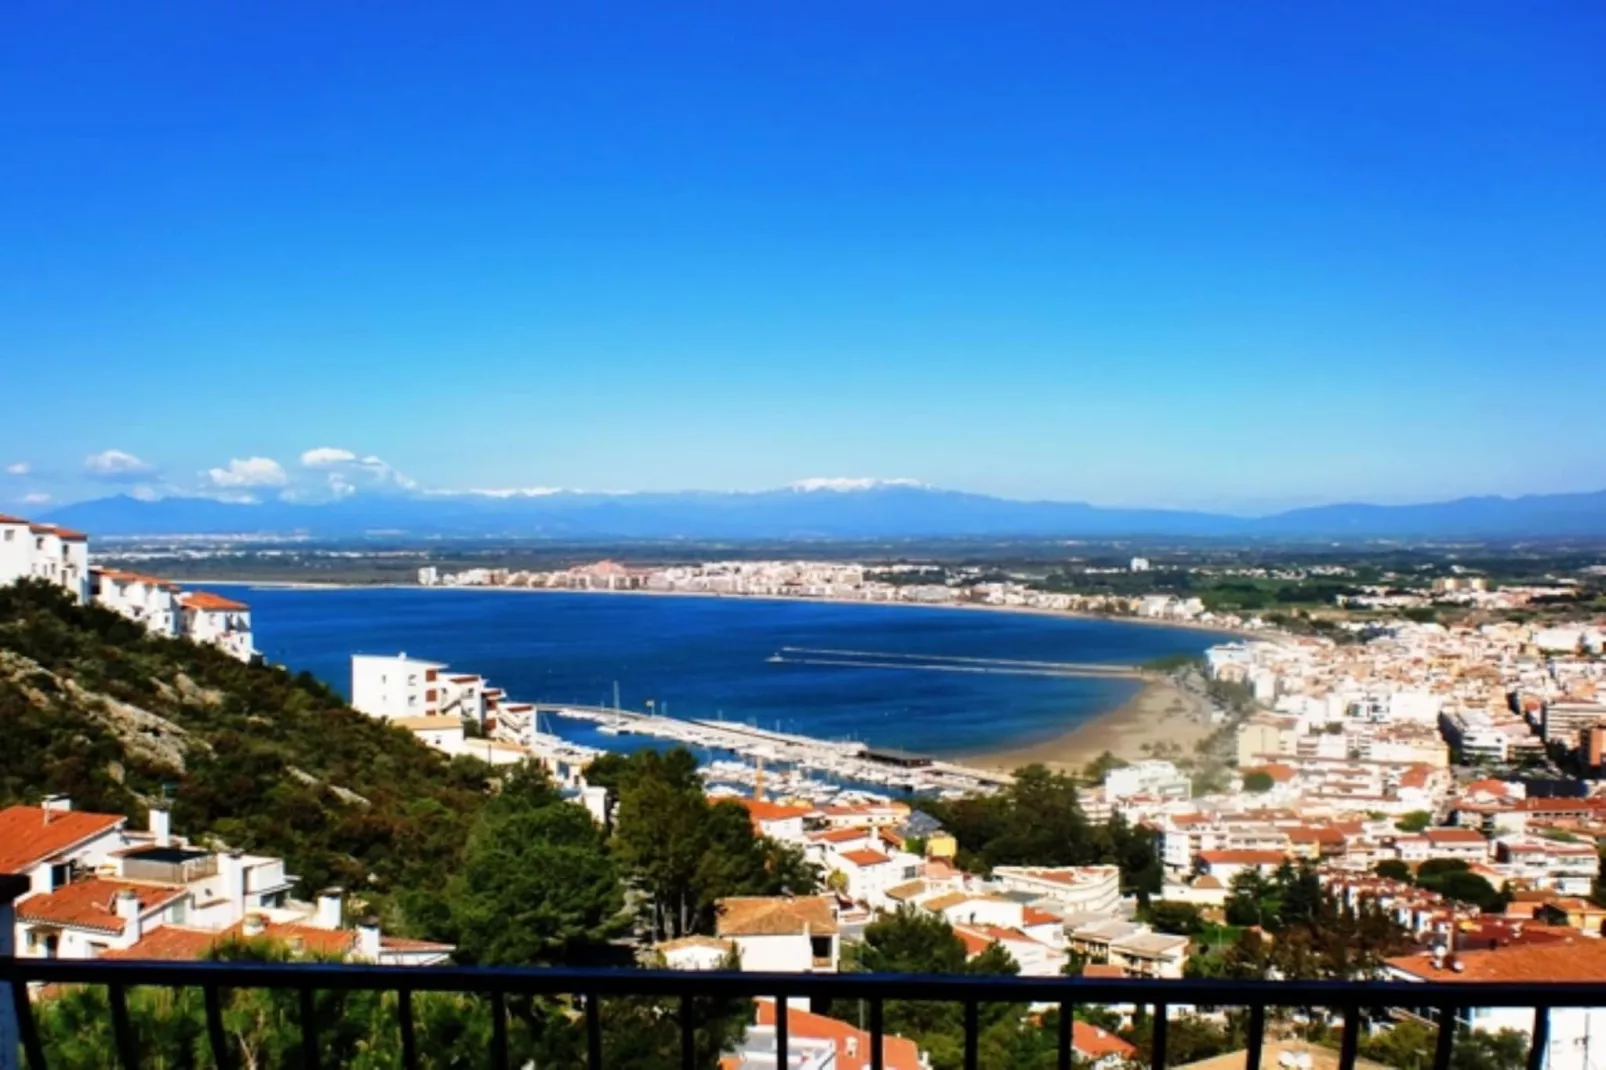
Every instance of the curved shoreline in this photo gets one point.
(1159, 710)
(1152, 622)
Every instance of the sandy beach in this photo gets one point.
(1160, 712)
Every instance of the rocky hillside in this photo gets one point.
(93, 707)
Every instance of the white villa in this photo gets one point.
(44, 552)
(61, 556)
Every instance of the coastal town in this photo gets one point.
(1443, 779)
(831, 580)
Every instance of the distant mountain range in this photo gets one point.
(823, 509)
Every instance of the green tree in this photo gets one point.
(1182, 919)
(536, 886)
(1038, 820)
(1258, 781)
(1415, 821)
(1410, 1044)
(1393, 869)
(1100, 767)
(685, 853)
(914, 941)
(1464, 886)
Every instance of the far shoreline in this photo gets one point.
(314, 585)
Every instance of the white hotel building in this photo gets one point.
(60, 556)
(44, 552)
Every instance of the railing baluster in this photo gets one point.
(404, 1016)
(27, 1026)
(1257, 1036)
(878, 1057)
(1161, 1024)
(127, 1050)
(593, 1032)
(1541, 1043)
(1067, 1024)
(1352, 1038)
(309, 1029)
(214, 1027)
(499, 1030)
(688, 1046)
(972, 1035)
(1446, 1042)
(782, 1028)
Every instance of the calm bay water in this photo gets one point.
(705, 657)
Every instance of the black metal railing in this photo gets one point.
(1350, 1002)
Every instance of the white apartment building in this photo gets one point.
(221, 622)
(395, 686)
(1148, 777)
(44, 552)
(151, 601)
(98, 889)
(781, 934)
(868, 873)
(1079, 889)
(51, 843)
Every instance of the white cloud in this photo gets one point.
(249, 472)
(341, 486)
(367, 471)
(21, 468)
(384, 473)
(326, 456)
(36, 498)
(847, 484)
(513, 492)
(116, 466)
(144, 492)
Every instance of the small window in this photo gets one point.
(820, 947)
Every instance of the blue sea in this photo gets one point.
(707, 657)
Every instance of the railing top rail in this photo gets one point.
(726, 984)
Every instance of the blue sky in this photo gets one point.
(1244, 255)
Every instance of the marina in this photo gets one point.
(825, 761)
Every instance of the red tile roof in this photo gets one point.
(865, 857)
(27, 838)
(775, 915)
(1581, 960)
(975, 942)
(897, 1053)
(301, 939)
(206, 601)
(170, 943)
(842, 835)
(1092, 1042)
(91, 904)
(764, 810)
(1242, 858)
